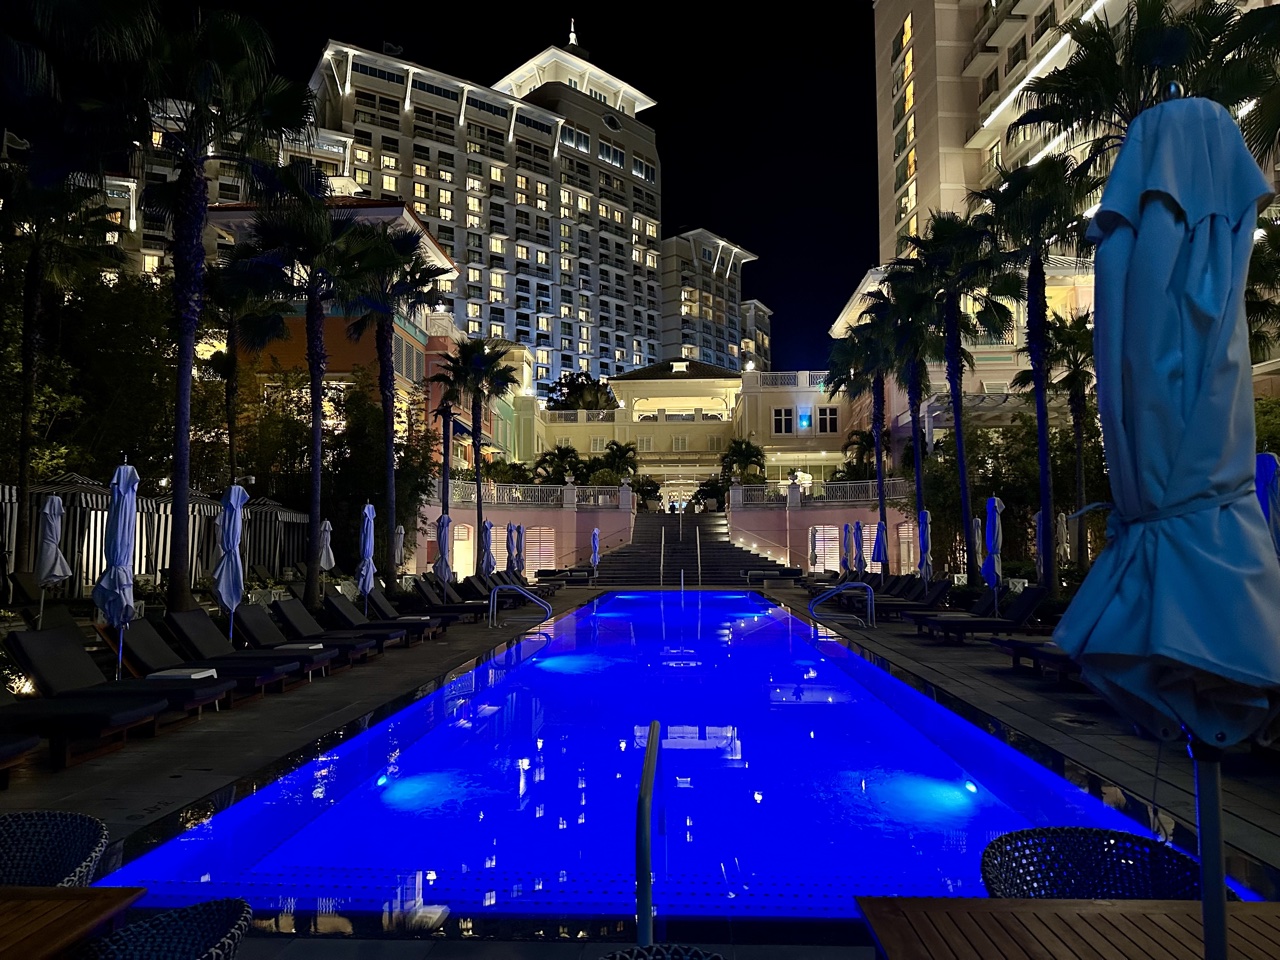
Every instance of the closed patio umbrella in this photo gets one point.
(51, 566)
(397, 546)
(327, 562)
(1062, 540)
(1177, 624)
(488, 564)
(595, 547)
(228, 573)
(977, 542)
(520, 548)
(813, 548)
(859, 556)
(365, 568)
(1268, 487)
(993, 566)
(926, 547)
(441, 567)
(1038, 526)
(113, 593)
(880, 549)
(846, 535)
(511, 547)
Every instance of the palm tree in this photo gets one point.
(320, 253)
(53, 235)
(1262, 291)
(1069, 352)
(620, 458)
(475, 370)
(556, 464)
(220, 100)
(444, 413)
(1118, 70)
(959, 260)
(1034, 210)
(740, 456)
(860, 364)
(397, 280)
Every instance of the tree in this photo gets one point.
(506, 471)
(215, 98)
(859, 449)
(475, 370)
(319, 254)
(395, 279)
(859, 364)
(557, 464)
(621, 458)
(54, 236)
(645, 488)
(580, 391)
(1068, 350)
(1032, 211)
(1262, 291)
(960, 261)
(740, 456)
(1116, 71)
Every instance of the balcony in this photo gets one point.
(981, 61)
(1008, 30)
(1025, 8)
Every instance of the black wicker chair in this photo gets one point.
(662, 951)
(50, 848)
(207, 931)
(1084, 863)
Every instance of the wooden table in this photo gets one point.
(907, 928)
(39, 922)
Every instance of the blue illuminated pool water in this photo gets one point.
(793, 777)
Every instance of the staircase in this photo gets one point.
(637, 564)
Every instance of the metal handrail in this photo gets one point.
(697, 534)
(840, 588)
(662, 559)
(515, 588)
(644, 839)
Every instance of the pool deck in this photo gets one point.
(1072, 730)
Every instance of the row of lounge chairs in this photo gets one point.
(82, 714)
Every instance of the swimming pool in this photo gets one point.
(793, 777)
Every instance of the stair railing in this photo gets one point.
(698, 536)
(682, 526)
(662, 558)
(644, 844)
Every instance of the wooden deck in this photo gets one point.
(907, 928)
(39, 922)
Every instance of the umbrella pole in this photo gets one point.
(40, 615)
(1213, 888)
(120, 655)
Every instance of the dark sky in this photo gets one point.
(765, 121)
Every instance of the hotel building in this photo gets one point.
(701, 295)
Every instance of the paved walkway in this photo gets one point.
(1074, 731)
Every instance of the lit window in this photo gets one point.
(419, 169)
(157, 138)
(445, 196)
(497, 330)
(565, 263)
(495, 174)
(445, 213)
(544, 258)
(390, 162)
(522, 181)
(473, 309)
(584, 204)
(151, 263)
(419, 208)
(473, 204)
(362, 176)
(389, 182)
(522, 199)
(419, 189)
(679, 444)
(474, 275)
(650, 229)
(473, 219)
(522, 252)
(542, 189)
(362, 154)
(498, 281)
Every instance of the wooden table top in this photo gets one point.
(909, 928)
(40, 922)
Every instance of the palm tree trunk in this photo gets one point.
(917, 455)
(477, 408)
(1037, 317)
(1079, 411)
(317, 359)
(232, 390)
(446, 454)
(385, 335)
(32, 283)
(955, 386)
(188, 294)
(877, 431)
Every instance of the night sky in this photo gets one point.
(765, 122)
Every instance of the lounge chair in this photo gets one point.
(1043, 656)
(94, 725)
(1087, 863)
(14, 748)
(929, 600)
(206, 931)
(196, 628)
(55, 615)
(519, 580)
(298, 622)
(59, 665)
(437, 607)
(50, 848)
(982, 607)
(353, 618)
(479, 590)
(261, 574)
(26, 589)
(386, 610)
(956, 627)
(254, 624)
(146, 652)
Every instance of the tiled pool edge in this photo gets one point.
(1257, 874)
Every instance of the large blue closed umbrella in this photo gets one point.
(520, 548)
(365, 568)
(441, 567)
(993, 565)
(228, 573)
(511, 547)
(880, 550)
(595, 547)
(1177, 623)
(51, 566)
(113, 593)
(845, 536)
(859, 552)
(1268, 489)
(488, 563)
(926, 547)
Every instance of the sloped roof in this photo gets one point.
(694, 370)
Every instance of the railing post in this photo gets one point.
(735, 494)
(697, 533)
(625, 494)
(793, 503)
(662, 558)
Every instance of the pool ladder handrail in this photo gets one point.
(644, 839)
(821, 598)
(662, 558)
(516, 588)
(697, 533)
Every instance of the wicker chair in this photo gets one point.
(50, 848)
(1084, 863)
(207, 931)
(662, 951)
